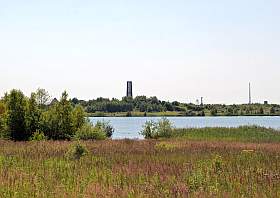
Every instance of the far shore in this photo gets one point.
(166, 114)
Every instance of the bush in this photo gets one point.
(90, 132)
(38, 136)
(78, 117)
(76, 151)
(162, 128)
(105, 127)
(164, 146)
(4, 131)
(149, 130)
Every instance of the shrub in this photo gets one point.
(149, 130)
(90, 132)
(163, 146)
(105, 127)
(162, 128)
(76, 151)
(217, 163)
(38, 136)
(4, 132)
(78, 117)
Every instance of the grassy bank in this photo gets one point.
(240, 134)
(164, 114)
(137, 114)
(164, 129)
(148, 168)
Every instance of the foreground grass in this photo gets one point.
(240, 134)
(148, 168)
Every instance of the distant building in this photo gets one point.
(129, 89)
(265, 102)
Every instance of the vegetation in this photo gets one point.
(90, 132)
(238, 134)
(34, 118)
(38, 136)
(147, 168)
(171, 162)
(163, 129)
(144, 106)
(138, 106)
(76, 151)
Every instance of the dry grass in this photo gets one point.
(146, 168)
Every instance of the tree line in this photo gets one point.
(153, 104)
(126, 104)
(23, 118)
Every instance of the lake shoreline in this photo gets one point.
(129, 127)
(170, 115)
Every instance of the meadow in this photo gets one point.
(140, 168)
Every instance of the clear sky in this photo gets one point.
(176, 50)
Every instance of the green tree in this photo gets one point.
(32, 115)
(261, 111)
(42, 97)
(272, 110)
(78, 117)
(16, 109)
(61, 120)
(49, 122)
(213, 112)
(65, 118)
(229, 111)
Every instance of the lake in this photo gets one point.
(129, 127)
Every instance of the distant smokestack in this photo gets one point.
(250, 98)
(129, 89)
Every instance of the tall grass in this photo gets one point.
(148, 168)
(241, 134)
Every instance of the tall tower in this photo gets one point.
(129, 89)
(250, 98)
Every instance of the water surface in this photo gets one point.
(129, 127)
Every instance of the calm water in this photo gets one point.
(129, 127)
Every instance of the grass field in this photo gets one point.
(146, 168)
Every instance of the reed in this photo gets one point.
(240, 134)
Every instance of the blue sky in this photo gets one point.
(176, 50)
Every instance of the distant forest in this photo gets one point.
(146, 105)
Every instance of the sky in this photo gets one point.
(175, 50)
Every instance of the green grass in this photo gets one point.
(240, 134)
(147, 168)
